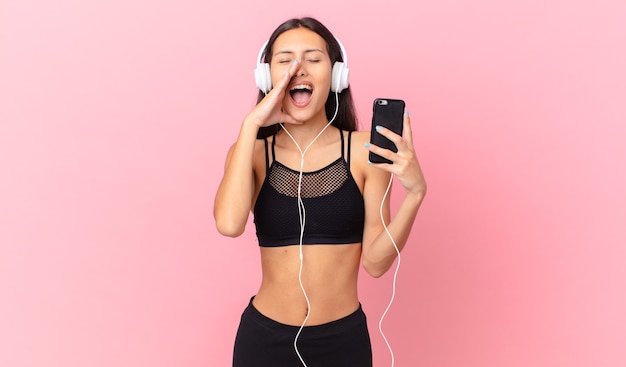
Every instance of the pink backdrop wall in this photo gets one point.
(114, 122)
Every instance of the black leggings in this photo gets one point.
(263, 342)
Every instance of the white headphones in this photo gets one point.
(339, 78)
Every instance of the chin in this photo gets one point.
(301, 115)
(310, 112)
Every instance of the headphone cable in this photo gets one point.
(302, 215)
(395, 274)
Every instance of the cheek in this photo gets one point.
(324, 85)
(321, 77)
(277, 73)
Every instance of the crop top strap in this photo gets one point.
(267, 156)
(343, 149)
(345, 154)
(349, 147)
(273, 150)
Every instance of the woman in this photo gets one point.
(307, 310)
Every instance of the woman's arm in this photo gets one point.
(235, 193)
(378, 250)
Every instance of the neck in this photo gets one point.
(303, 136)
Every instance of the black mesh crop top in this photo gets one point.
(333, 204)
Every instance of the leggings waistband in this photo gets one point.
(355, 319)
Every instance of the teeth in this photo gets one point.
(301, 86)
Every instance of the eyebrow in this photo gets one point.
(291, 52)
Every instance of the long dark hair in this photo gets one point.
(346, 116)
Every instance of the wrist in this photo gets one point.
(252, 122)
(415, 198)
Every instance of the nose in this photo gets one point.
(301, 70)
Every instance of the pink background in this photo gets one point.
(116, 117)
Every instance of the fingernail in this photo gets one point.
(367, 145)
(369, 162)
(406, 113)
(378, 128)
(295, 61)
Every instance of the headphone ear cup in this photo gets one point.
(339, 79)
(263, 77)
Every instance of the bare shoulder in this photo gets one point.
(259, 144)
(258, 157)
(259, 147)
(359, 152)
(360, 158)
(259, 152)
(361, 136)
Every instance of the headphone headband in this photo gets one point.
(339, 79)
(344, 55)
(261, 51)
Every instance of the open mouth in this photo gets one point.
(301, 94)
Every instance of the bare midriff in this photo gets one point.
(329, 277)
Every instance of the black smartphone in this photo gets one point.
(390, 114)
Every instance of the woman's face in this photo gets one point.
(308, 90)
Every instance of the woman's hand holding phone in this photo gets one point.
(403, 162)
(386, 113)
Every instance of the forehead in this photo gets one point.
(297, 39)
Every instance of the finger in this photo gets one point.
(383, 152)
(291, 71)
(395, 138)
(408, 131)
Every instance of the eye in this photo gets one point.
(284, 61)
(314, 61)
